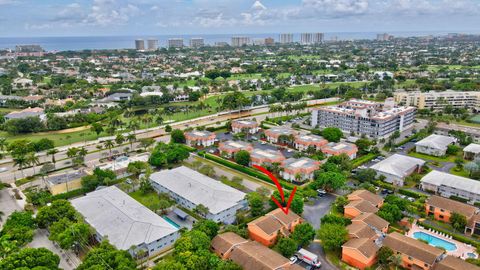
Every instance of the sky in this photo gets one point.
(35, 18)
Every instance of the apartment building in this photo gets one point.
(397, 167)
(197, 42)
(435, 100)
(442, 208)
(240, 41)
(200, 138)
(303, 142)
(190, 189)
(445, 129)
(245, 126)
(306, 38)
(362, 201)
(267, 229)
(230, 148)
(175, 43)
(286, 38)
(434, 145)
(446, 185)
(364, 117)
(281, 135)
(299, 170)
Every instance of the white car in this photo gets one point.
(293, 259)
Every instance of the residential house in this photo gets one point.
(29, 112)
(267, 156)
(299, 170)
(245, 126)
(250, 255)
(442, 208)
(360, 230)
(414, 254)
(304, 142)
(360, 252)
(230, 148)
(336, 149)
(376, 223)
(365, 195)
(190, 189)
(471, 151)
(268, 228)
(434, 145)
(447, 185)
(126, 223)
(65, 182)
(397, 167)
(200, 138)
(453, 263)
(280, 135)
(362, 201)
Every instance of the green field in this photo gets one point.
(432, 158)
(149, 200)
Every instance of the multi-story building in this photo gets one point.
(299, 170)
(286, 38)
(281, 135)
(442, 208)
(363, 117)
(435, 100)
(230, 148)
(175, 43)
(126, 223)
(318, 38)
(303, 142)
(200, 138)
(267, 156)
(362, 201)
(245, 126)
(397, 167)
(384, 37)
(447, 185)
(336, 149)
(197, 42)
(306, 38)
(190, 189)
(29, 50)
(269, 41)
(445, 129)
(240, 41)
(140, 45)
(152, 44)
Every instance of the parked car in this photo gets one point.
(254, 138)
(321, 192)
(293, 259)
(410, 199)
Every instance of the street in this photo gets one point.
(321, 207)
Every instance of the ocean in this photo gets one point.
(128, 42)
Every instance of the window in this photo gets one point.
(440, 216)
(410, 258)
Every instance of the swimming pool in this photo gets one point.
(435, 241)
(171, 222)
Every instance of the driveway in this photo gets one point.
(8, 204)
(68, 260)
(321, 207)
(318, 249)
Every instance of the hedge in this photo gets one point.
(212, 129)
(246, 170)
(69, 195)
(412, 194)
(384, 185)
(455, 236)
(363, 159)
(458, 199)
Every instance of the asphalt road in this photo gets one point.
(321, 207)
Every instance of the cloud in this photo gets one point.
(8, 2)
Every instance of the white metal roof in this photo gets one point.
(437, 141)
(198, 188)
(397, 165)
(438, 178)
(116, 215)
(472, 148)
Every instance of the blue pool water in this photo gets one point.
(435, 241)
(171, 222)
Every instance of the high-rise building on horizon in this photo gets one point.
(240, 41)
(197, 42)
(152, 44)
(286, 38)
(318, 38)
(384, 37)
(269, 41)
(140, 44)
(29, 50)
(175, 43)
(306, 38)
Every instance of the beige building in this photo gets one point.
(438, 100)
(65, 182)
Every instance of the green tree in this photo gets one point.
(202, 210)
(286, 246)
(303, 234)
(332, 236)
(334, 219)
(209, 227)
(458, 221)
(256, 204)
(52, 152)
(296, 205)
(332, 134)
(19, 226)
(330, 181)
(105, 256)
(366, 175)
(390, 213)
(384, 255)
(56, 211)
(242, 157)
(165, 154)
(192, 241)
(177, 136)
(169, 265)
(31, 258)
(97, 128)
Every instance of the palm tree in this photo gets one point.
(109, 145)
(72, 152)
(119, 139)
(131, 138)
(3, 144)
(21, 162)
(52, 153)
(201, 209)
(32, 160)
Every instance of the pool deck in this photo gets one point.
(462, 248)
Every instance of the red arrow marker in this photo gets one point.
(280, 190)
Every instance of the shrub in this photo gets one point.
(459, 199)
(410, 193)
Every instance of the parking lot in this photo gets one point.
(321, 207)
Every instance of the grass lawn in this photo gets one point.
(149, 200)
(432, 158)
(460, 172)
(60, 138)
